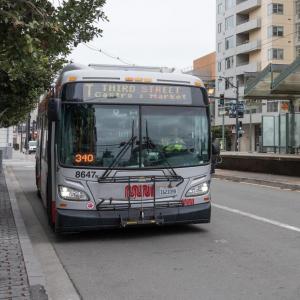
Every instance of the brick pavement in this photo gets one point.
(13, 277)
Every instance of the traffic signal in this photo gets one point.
(240, 125)
(240, 108)
(240, 129)
(222, 99)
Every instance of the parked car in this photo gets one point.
(32, 146)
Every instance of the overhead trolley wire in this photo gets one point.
(109, 55)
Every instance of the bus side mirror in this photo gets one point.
(216, 158)
(215, 149)
(54, 109)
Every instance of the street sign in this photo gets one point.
(236, 109)
(222, 112)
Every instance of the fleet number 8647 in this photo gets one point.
(85, 174)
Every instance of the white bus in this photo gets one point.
(120, 146)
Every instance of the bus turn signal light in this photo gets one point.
(188, 202)
(72, 78)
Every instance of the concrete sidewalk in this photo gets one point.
(20, 273)
(13, 276)
(283, 182)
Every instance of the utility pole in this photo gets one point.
(27, 133)
(236, 140)
(237, 145)
(223, 131)
(222, 105)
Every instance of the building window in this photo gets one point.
(298, 32)
(219, 66)
(219, 27)
(275, 31)
(220, 8)
(298, 51)
(272, 106)
(219, 47)
(228, 62)
(229, 23)
(229, 42)
(228, 83)
(298, 9)
(275, 53)
(219, 85)
(275, 8)
(229, 4)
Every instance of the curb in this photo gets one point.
(35, 274)
(277, 184)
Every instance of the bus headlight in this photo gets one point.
(68, 193)
(198, 190)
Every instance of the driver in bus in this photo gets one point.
(173, 142)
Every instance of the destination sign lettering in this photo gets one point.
(141, 93)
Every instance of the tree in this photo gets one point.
(35, 39)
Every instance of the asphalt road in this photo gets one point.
(251, 250)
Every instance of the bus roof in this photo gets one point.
(120, 73)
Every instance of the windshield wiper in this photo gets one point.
(153, 146)
(120, 154)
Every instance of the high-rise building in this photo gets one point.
(250, 35)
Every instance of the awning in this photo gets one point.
(288, 81)
(260, 86)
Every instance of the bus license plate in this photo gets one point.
(168, 192)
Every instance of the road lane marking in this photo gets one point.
(258, 218)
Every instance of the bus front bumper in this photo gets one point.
(81, 220)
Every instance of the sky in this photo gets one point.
(169, 33)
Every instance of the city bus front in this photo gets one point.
(130, 154)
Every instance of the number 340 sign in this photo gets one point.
(84, 158)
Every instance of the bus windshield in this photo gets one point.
(132, 136)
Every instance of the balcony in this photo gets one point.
(248, 26)
(247, 6)
(248, 68)
(248, 47)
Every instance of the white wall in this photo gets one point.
(6, 141)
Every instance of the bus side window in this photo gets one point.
(39, 136)
(44, 138)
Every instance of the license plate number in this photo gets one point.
(169, 192)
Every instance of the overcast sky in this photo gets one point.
(153, 33)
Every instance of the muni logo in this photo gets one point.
(138, 191)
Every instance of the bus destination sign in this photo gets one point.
(143, 93)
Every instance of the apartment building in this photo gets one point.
(250, 35)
